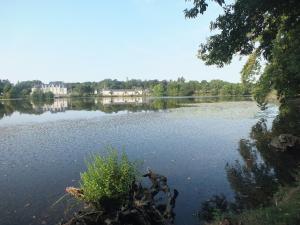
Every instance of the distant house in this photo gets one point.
(57, 88)
(121, 92)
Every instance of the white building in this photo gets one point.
(57, 88)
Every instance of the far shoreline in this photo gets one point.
(148, 96)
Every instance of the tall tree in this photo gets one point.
(268, 29)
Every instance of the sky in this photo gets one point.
(77, 41)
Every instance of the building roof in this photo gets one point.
(122, 90)
(59, 84)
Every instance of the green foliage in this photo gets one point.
(108, 178)
(214, 208)
(82, 89)
(214, 87)
(262, 89)
(48, 95)
(200, 6)
(179, 87)
(251, 69)
(173, 89)
(22, 89)
(158, 90)
(257, 28)
(287, 211)
(265, 181)
(19, 90)
(4, 86)
(39, 95)
(283, 70)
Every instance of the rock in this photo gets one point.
(285, 141)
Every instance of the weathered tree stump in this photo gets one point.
(140, 209)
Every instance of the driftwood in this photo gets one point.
(141, 209)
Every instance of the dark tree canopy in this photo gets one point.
(268, 29)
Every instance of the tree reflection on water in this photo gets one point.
(106, 105)
(262, 169)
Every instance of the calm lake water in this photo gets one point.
(43, 147)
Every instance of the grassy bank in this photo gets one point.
(284, 211)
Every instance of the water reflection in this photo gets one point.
(54, 106)
(262, 168)
(42, 154)
(253, 181)
(106, 105)
(122, 100)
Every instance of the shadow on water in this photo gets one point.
(262, 169)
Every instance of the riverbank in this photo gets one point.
(285, 210)
(271, 191)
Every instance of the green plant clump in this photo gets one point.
(108, 178)
(41, 96)
(285, 211)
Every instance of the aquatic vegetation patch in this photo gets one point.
(141, 208)
(108, 177)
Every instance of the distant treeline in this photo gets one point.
(179, 87)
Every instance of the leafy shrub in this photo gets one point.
(108, 179)
(214, 208)
(39, 95)
(48, 95)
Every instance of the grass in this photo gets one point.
(285, 212)
(108, 178)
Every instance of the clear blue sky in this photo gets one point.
(77, 40)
